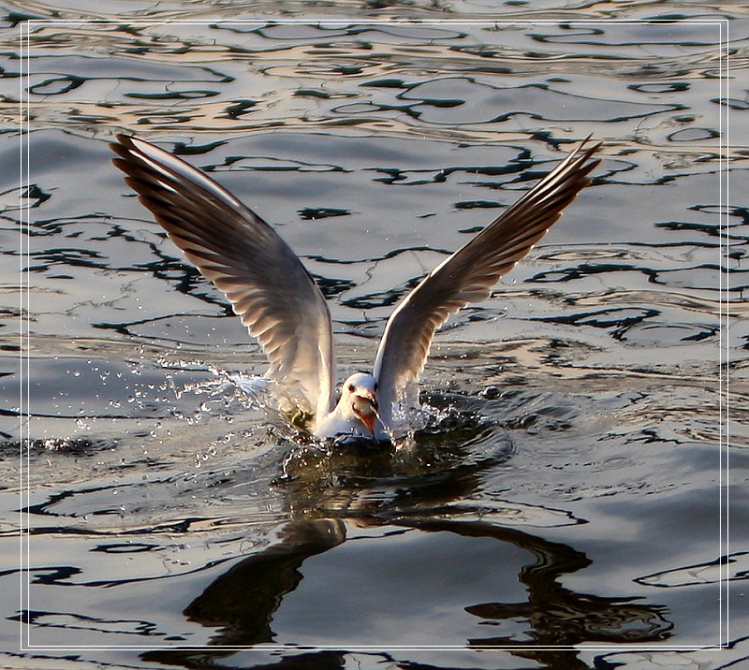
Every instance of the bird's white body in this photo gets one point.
(357, 412)
(282, 307)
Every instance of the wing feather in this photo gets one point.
(469, 274)
(265, 282)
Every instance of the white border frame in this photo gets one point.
(26, 28)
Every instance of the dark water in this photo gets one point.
(568, 504)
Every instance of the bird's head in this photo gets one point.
(359, 399)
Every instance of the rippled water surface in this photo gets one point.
(565, 506)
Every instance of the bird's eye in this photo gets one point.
(351, 388)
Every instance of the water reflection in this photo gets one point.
(241, 602)
(244, 601)
(356, 524)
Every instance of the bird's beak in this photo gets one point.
(366, 407)
(369, 421)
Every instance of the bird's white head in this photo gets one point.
(359, 399)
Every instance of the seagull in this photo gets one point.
(282, 307)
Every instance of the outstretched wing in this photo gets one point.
(246, 259)
(469, 274)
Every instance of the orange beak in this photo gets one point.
(365, 407)
(369, 421)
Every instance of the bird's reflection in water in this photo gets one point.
(388, 492)
(242, 601)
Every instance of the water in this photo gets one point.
(565, 507)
